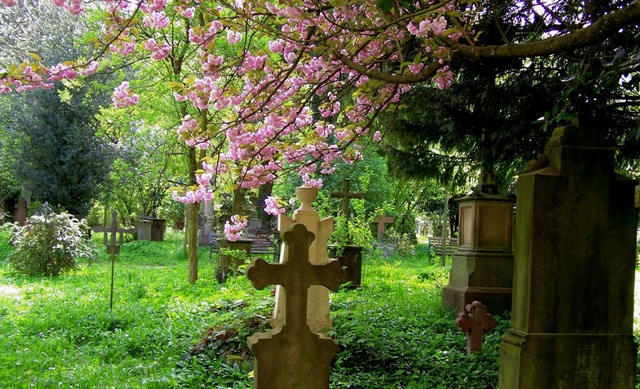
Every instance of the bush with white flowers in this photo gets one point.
(49, 244)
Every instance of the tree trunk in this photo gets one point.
(192, 240)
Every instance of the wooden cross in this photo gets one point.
(345, 195)
(291, 355)
(382, 222)
(475, 320)
(113, 245)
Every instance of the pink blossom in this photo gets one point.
(123, 97)
(188, 13)
(8, 3)
(233, 37)
(416, 68)
(272, 206)
(312, 183)
(233, 230)
(377, 136)
(276, 46)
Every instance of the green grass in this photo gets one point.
(164, 333)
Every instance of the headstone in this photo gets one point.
(573, 300)
(382, 222)
(113, 243)
(144, 229)
(292, 355)
(20, 212)
(206, 221)
(318, 304)
(475, 320)
(482, 266)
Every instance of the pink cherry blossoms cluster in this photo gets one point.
(123, 96)
(272, 206)
(279, 104)
(233, 228)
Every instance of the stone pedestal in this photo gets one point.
(227, 264)
(157, 230)
(482, 268)
(318, 297)
(572, 322)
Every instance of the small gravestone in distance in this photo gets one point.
(475, 320)
(382, 223)
(291, 355)
(113, 245)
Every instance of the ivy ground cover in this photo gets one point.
(164, 333)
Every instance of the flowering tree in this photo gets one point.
(278, 85)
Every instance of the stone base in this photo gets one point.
(497, 300)
(596, 361)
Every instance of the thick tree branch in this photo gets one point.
(597, 32)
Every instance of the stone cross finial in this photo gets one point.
(345, 195)
(291, 355)
(475, 320)
(113, 244)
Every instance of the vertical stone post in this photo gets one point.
(572, 322)
(318, 297)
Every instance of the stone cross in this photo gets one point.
(291, 355)
(475, 320)
(382, 222)
(113, 245)
(345, 195)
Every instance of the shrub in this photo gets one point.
(49, 244)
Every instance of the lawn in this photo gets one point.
(164, 333)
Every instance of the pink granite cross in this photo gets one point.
(475, 320)
(292, 356)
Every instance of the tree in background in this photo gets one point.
(56, 155)
(498, 114)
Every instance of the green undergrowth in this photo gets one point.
(164, 333)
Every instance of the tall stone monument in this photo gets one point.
(482, 267)
(318, 297)
(572, 322)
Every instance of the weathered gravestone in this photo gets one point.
(382, 223)
(318, 304)
(206, 223)
(474, 321)
(572, 320)
(113, 245)
(292, 356)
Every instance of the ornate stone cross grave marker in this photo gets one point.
(113, 244)
(475, 320)
(345, 195)
(291, 355)
(382, 222)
